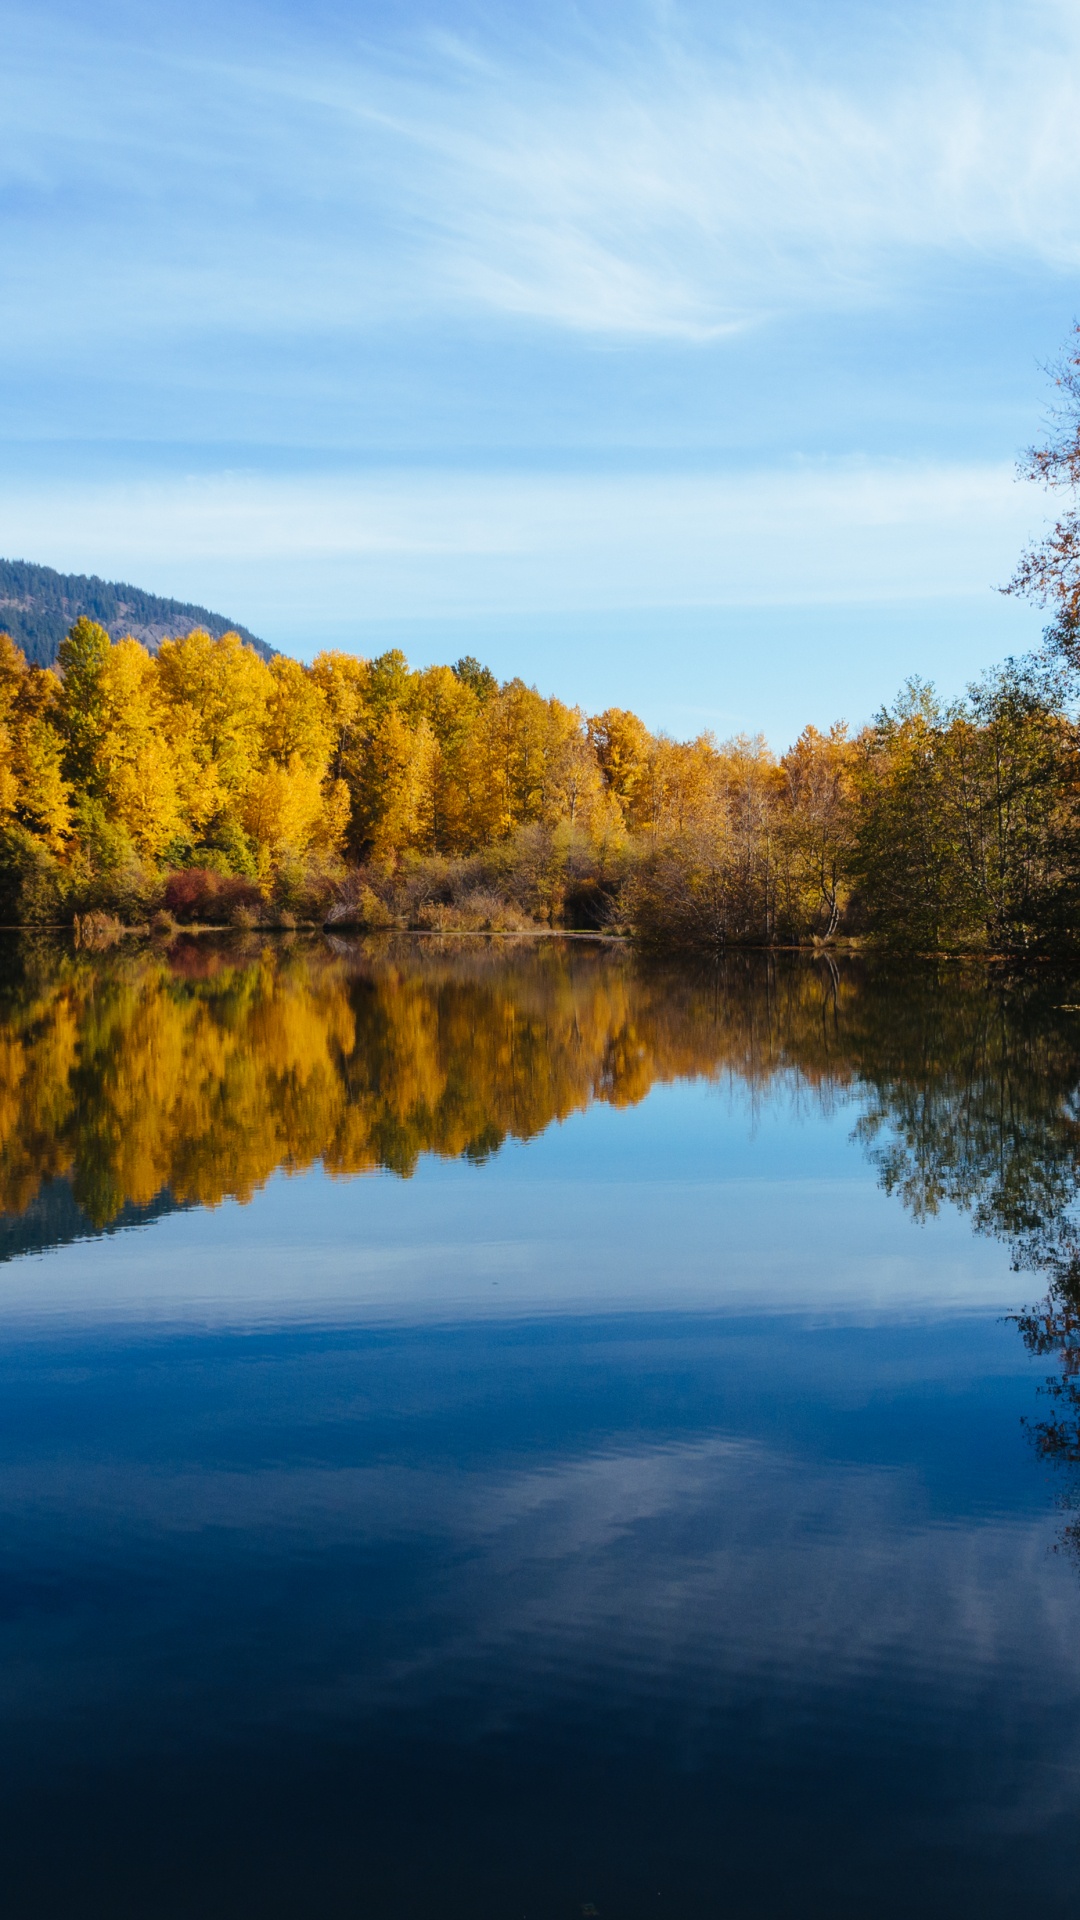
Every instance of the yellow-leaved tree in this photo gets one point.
(294, 804)
(217, 693)
(136, 763)
(33, 790)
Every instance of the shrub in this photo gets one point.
(475, 912)
(307, 889)
(198, 893)
(437, 916)
(371, 911)
(32, 884)
(527, 869)
(535, 878)
(589, 905)
(130, 891)
(682, 896)
(358, 904)
(188, 894)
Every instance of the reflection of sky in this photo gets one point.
(684, 1546)
(699, 1197)
(647, 1508)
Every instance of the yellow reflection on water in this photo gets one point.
(200, 1070)
(203, 1069)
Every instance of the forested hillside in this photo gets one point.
(38, 605)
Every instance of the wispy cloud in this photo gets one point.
(660, 179)
(465, 542)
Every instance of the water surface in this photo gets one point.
(492, 1429)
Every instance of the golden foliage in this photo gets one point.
(32, 788)
(200, 1073)
(933, 827)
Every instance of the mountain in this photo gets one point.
(54, 1218)
(38, 605)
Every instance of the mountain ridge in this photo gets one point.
(54, 1218)
(38, 605)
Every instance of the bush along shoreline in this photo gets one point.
(205, 785)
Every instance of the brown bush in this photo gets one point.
(485, 912)
(360, 900)
(197, 893)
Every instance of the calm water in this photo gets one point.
(489, 1430)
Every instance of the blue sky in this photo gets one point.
(673, 356)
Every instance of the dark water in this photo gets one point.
(488, 1430)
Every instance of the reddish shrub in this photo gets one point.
(234, 892)
(197, 894)
(188, 893)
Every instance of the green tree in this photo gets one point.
(480, 680)
(82, 716)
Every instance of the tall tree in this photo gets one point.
(1049, 570)
(82, 718)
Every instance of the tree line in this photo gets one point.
(212, 783)
(205, 782)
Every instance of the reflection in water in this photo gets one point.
(135, 1084)
(194, 1075)
(745, 1612)
(200, 1073)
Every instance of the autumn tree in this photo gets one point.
(293, 802)
(217, 693)
(818, 826)
(391, 799)
(749, 788)
(136, 770)
(622, 745)
(344, 681)
(33, 789)
(447, 701)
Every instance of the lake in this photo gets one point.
(499, 1429)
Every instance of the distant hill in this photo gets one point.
(38, 605)
(54, 1218)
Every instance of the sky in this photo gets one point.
(672, 356)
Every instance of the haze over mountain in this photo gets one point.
(38, 605)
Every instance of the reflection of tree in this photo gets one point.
(197, 1073)
(1053, 1329)
(979, 1105)
(200, 1072)
(205, 1069)
(973, 1088)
